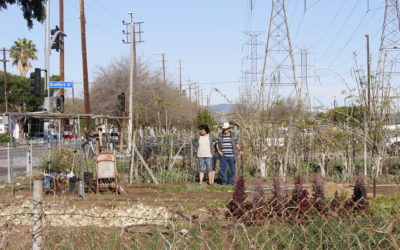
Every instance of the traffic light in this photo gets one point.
(59, 102)
(35, 78)
(121, 102)
(56, 42)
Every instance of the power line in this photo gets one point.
(103, 17)
(340, 30)
(312, 5)
(340, 51)
(374, 36)
(216, 83)
(95, 23)
(330, 25)
(108, 10)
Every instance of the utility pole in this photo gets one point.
(368, 78)
(131, 40)
(5, 77)
(47, 49)
(190, 90)
(163, 68)
(197, 89)
(180, 76)
(62, 75)
(86, 95)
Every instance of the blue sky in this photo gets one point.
(208, 36)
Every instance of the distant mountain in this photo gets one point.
(222, 108)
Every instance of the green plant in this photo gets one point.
(204, 117)
(61, 161)
(4, 138)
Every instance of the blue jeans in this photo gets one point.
(223, 161)
(205, 163)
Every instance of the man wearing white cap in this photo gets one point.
(228, 148)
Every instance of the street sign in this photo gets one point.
(61, 85)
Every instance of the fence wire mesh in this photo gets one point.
(268, 224)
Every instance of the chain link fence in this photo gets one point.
(271, 226)
(19, 159)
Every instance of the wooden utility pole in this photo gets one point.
(163, 68)
(84, 63)
(190, 91)
(180, 76)
(5, 78)
(62, 77)
(368, 78)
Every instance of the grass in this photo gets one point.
(387, 205)
(335, 234)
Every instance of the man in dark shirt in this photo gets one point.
(228, 148)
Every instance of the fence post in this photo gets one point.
(191, 156)
(30, 164)
(27, 164)
(37, 215)
(9, 164)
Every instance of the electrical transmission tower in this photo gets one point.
(389, 52)
(252, 75)
(279, 66)
(304, 76)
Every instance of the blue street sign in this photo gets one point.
(61, 85)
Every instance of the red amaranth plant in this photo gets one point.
(318, 187)
(277, 191)
(360, 194)
(258, 193)
(298, 188)
(304, 203)
(360, 188)
(318, 199)
(235, 206)
(335, 203)
(278, 198)
(239, 195)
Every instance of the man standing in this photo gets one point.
(228, 148)
(204, 144)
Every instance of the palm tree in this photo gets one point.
(22, 52)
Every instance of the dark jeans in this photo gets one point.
(223, 161)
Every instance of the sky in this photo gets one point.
(208, 37)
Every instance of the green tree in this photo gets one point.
(204, 117)
(32, 10)
(351, 115)
(22, 52)
(20, 97)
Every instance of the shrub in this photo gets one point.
(4, 138)
(61, 161)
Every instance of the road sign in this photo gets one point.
(61, 85)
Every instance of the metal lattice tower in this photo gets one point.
(389, 52)
(252, 74)
(279, 66)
